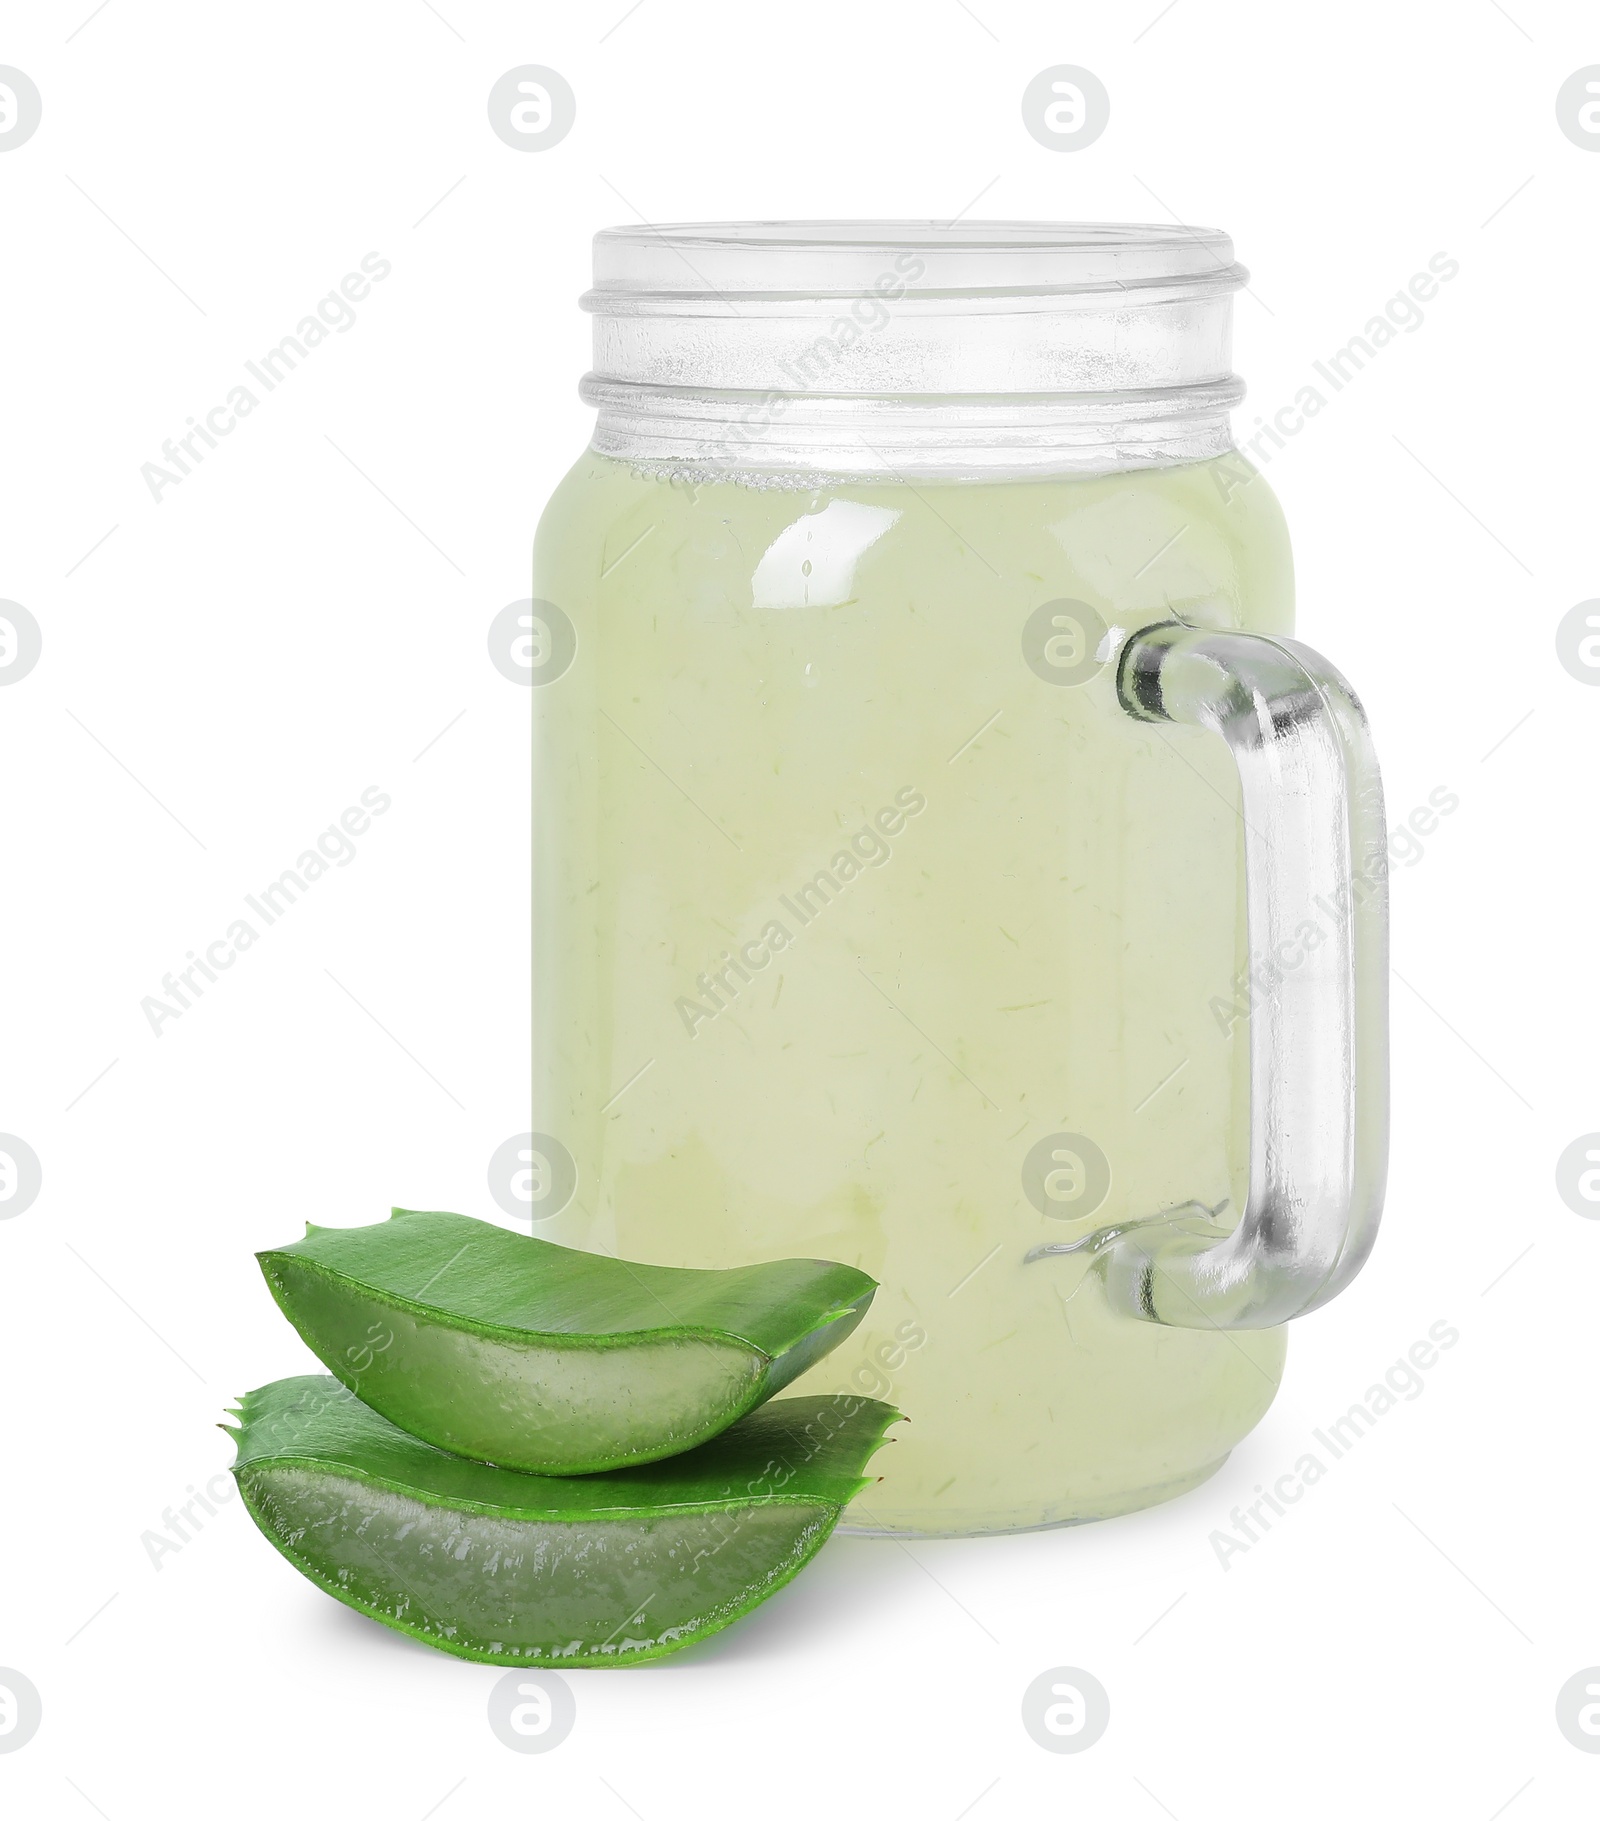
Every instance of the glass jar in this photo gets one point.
(944, 861)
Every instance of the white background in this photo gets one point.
(276, 635)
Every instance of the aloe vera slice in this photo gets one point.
(517, 1567)
(514, 1350)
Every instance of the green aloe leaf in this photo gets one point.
(507, 1567)
(513, 1350)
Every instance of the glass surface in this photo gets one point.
(862, 903)
(992, 349)
(735, 261)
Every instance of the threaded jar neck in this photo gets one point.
(995, 349)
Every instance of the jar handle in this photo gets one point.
(1316, 883)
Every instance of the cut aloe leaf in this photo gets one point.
(526, 1354)
(517, 1567)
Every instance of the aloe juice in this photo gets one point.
(855, 885)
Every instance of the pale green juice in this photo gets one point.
(842, 907)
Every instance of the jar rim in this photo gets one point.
(671, 268)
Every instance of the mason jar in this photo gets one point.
(946, 860)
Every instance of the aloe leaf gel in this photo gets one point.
(504, 1567)
(515, 1351)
